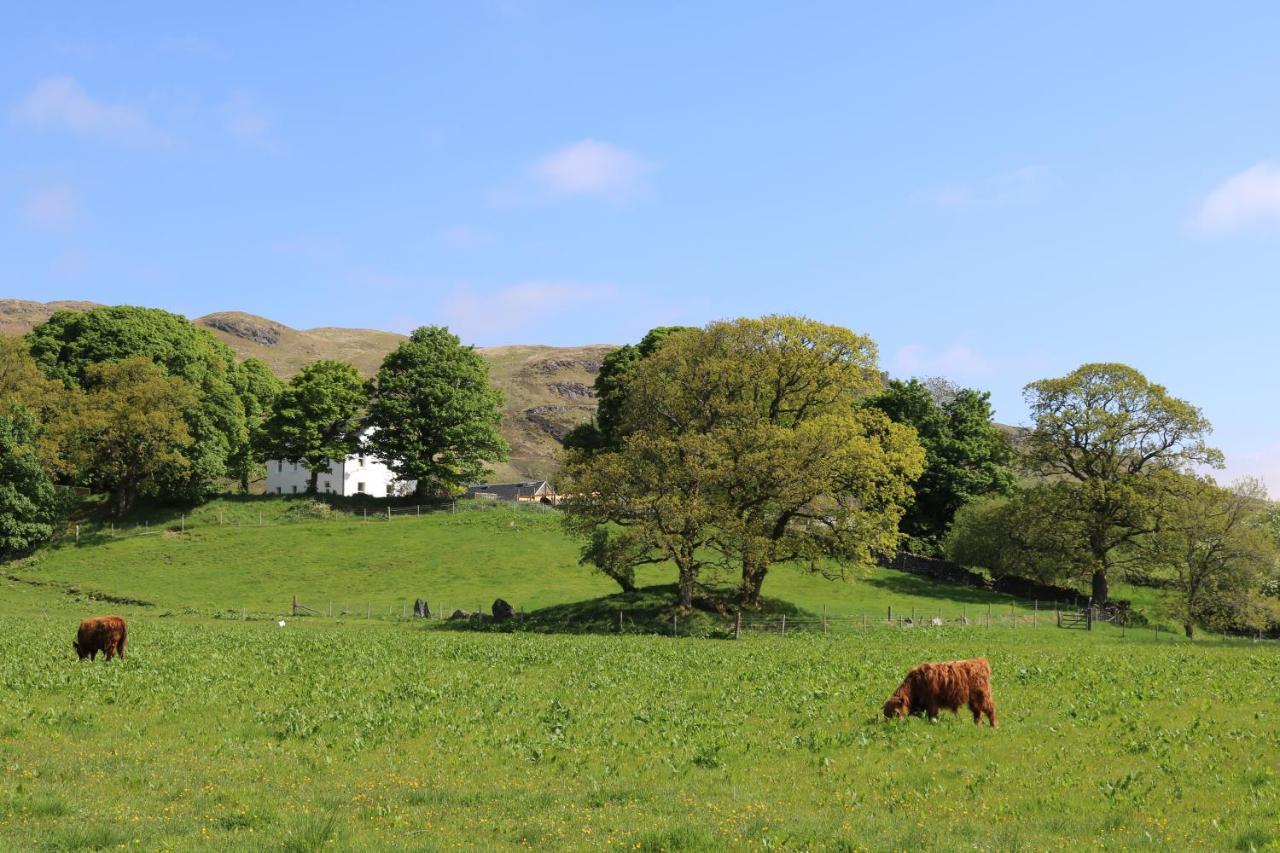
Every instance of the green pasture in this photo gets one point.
(224, 735)
(366, 731)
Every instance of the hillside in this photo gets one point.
(548, 388)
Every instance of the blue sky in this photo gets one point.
(994, 192)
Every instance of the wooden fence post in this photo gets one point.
(737, 626)
(889, 619)
(988, 614)
(77, 533)
(330, 609)
(824, 618)
(619, 621)
(675, 624)
(295, 605)
(784, 624)
(1035, 614)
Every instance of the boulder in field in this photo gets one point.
(502, 610)
(460, 614)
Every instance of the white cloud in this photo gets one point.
(52, 208)
(1019, 186)
(593, 169)
(489, 316)
(60, 102)
(250, 125)
(955, 362)
(1251, 198)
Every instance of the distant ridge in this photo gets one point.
(548, 389)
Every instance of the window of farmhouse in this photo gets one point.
(360, 488)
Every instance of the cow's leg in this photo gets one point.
(932, 711)
(120, 647)
(991, 712)
(975, 707)
(109, 651)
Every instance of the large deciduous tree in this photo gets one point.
(747, 439)
(71, 343)
(28, 501)
(434, 413)
(47, 400)
(1217, 550)
(1107, 429)
(130, 436)
(316, 418)
(967, 456)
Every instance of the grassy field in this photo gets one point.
(257, 560)
(248, 736)
(379, 733)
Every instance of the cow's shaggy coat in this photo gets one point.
(106, 634)
(949, 684)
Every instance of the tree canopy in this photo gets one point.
(1107, 429)
(750, 441)
(315, 418)
(611, 391)
(130, 435)
(967, 456)
(1216, 551)
(434, 413)
(71, 344)
(28, 502)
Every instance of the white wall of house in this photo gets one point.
(356, 475)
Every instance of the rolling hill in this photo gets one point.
(548, 389)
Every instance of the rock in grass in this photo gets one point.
(460, 614)
(502, 610)
(421, 609)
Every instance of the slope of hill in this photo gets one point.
(19, 316)
(548, 389)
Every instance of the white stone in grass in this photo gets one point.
(281, 623)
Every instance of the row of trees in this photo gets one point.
(140, 403)
(735, 447)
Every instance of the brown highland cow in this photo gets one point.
(949, 685)
(106, 634)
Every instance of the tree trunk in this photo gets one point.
(313, 482)
(687, 581)
(1190, 629)
(1100, 587)
(752, 581)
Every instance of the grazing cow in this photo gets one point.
(106, 634)
(949, 685)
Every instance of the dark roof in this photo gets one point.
(509, 491)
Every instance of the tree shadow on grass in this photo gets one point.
(648, 610)
(901, 583)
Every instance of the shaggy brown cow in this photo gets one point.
(949, 685)
(105, 634)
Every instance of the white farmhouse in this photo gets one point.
(358, 474)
